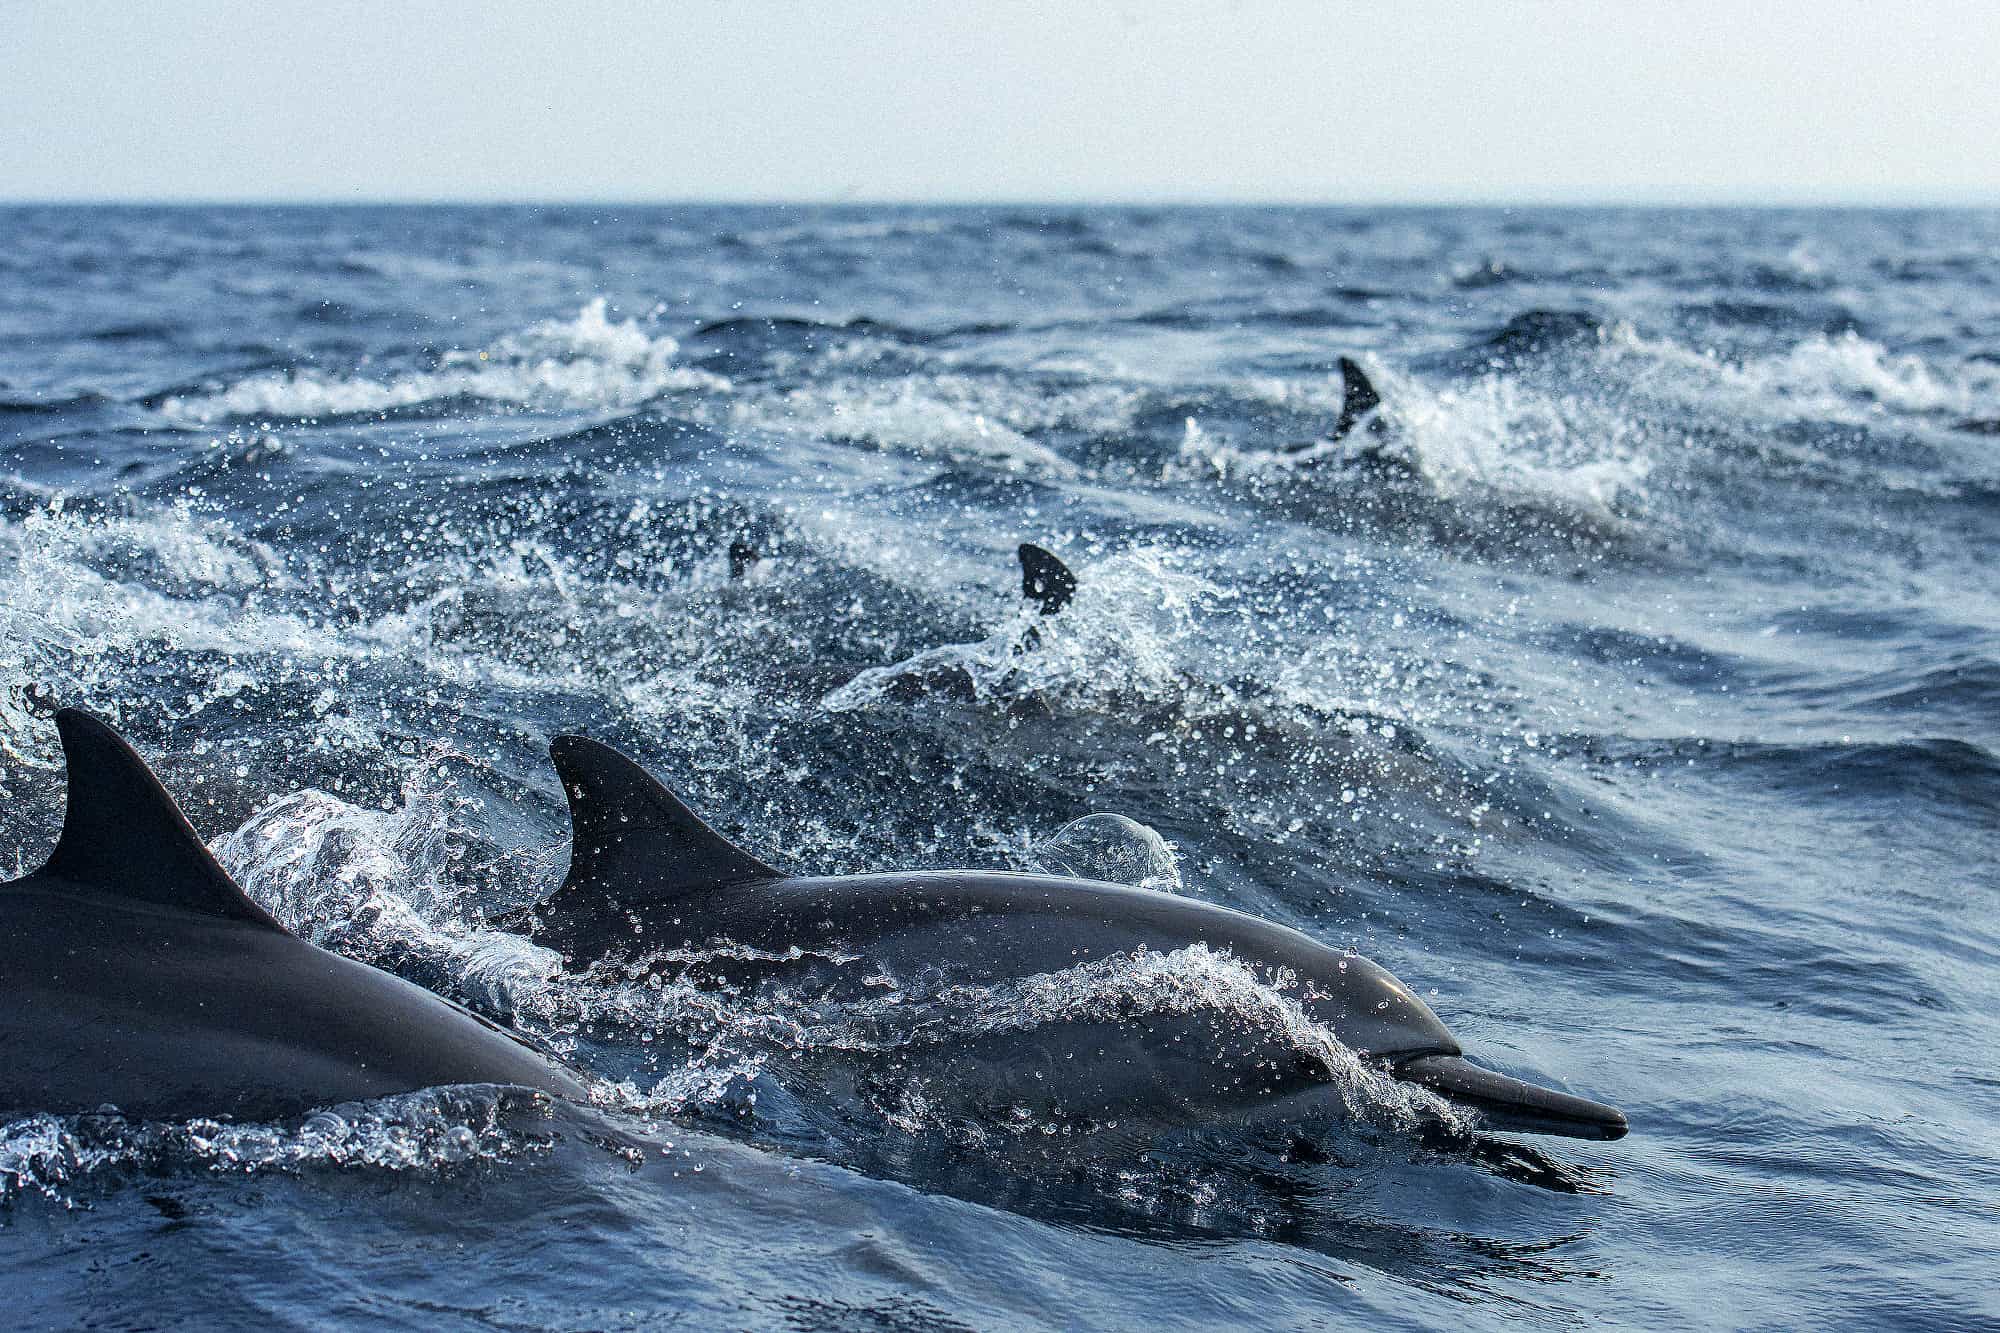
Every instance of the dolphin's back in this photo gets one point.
(640, 857)
(137, 975)
(165, 1015)
(988, 925)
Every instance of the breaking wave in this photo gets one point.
(589, 361)
(65, 1158)
(949, 416)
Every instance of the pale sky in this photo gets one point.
(1650, 101)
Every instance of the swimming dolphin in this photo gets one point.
(136, 975)
(1363, 426)
(1046, 583)
(1360, 405)
(1045, 579)
(646, 875)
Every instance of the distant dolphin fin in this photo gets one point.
(742, 555)
(1045, 579)
(633, 840)
(1358, 398)
(123, 835)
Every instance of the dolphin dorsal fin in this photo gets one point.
(1045, 580)
(632, 840)
(123, 836)
(1358, 397)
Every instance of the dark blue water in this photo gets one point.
(1639, 705)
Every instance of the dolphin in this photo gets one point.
(1045, 579)
(1360, 404)
(651, 884)
(1046, 584)
(1363, 427)
(137, 976)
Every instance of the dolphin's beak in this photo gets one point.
(1511, 1104)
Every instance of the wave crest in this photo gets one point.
(589, 361)
(60, 1157)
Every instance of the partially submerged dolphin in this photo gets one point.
(1045, 579)
(649, 880)
(136, 975)
(1363, 427)
(1360, 404)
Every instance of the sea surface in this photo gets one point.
(1635, 697)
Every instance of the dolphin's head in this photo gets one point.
(1381, 1018)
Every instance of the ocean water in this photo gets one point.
(1637, 701)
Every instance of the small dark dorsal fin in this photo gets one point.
(1358, 398)
(632, 840)
(1045, 580)
(123, 836)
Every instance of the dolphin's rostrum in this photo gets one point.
(138, 977)
(647, 874)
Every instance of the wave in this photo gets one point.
(1828, 373)
(1490, 272)
(1836, 372)
(1842, 377)
(944, 416)
(64, 1158)
(590, 361)
(51, 407)
(831, 232)
(1538, 333)
(762, 331)
(136, 331)
(98, 599)
(1832, 319)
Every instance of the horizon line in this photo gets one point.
(1665, 202)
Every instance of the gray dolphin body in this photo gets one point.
(135, 974)
(647, 876)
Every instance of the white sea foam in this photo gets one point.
(396, 887)
(589, 361)
(75, 630)
(961, 417)
(1844, 377)
(1823, 370)
(929, 417)
(58, 1157)
(1499, 438)
(97, 602)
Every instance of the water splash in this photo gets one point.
(1129, 634)
(399, 888)
(61, 1158)
(1496, 440)
(1111, 848)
